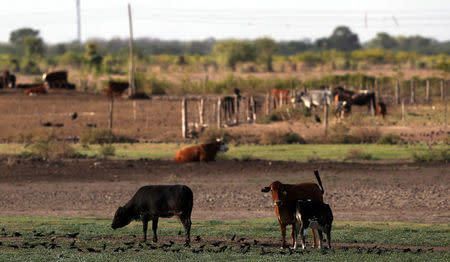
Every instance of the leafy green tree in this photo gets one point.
(230, 52)
(383, 41)
(33, 46)
(18, 36)
(266, 47)
(342, 39)
(92, 56)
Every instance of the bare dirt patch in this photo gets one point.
(224, 190)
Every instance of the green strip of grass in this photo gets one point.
(96, 233)
(301, 153)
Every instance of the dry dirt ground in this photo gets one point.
(225, 189)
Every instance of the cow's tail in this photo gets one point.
(316, 173)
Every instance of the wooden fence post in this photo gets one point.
(111, 109)
(219, 101)
(201, 112)
(326, 118)
(184, 122)
(377, 90)
(134, 110)
(427, 92)
(397, 92)
(442, 90)
(267, 104)
(403, 112)
(236, 110)
(252, 104)
(413, 92)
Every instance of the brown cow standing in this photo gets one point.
(278, 94)
(203, 152)
(116, 88)
(381, 109)
(5, 79)
(285, 198)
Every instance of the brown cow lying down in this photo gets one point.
(316, 215)
(203, 152)
(284, 198)
(38, 89)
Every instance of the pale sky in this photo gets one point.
(244, 19)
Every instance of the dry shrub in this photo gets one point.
(210, 135)
(366, 135)
(107, 150)
(103, 136)
(390, 139)
(280, 137)
(47, 148)
(447, 140)
(29, 136)
(357, 154)
(340, 134)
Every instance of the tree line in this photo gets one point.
(26, 50)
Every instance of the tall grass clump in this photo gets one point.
(390, 139)
(97, 136)
(357, 154)
(432, 155)
(47, 148)
(280, 137)
(211, 135)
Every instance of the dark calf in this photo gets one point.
(153, 202)
(314, 214)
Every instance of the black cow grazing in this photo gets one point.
(314, 214)
(56, 79)
(153, 202)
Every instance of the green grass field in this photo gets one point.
(35, 244)
(302, 153)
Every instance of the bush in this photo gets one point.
(432, 155)
(46, 148)
(339, 134)
(390, 139)
(357, 154)
(447, 140)
(97, 136)
(210, 135)
(366, 135)
(107, 150)
(280, 137)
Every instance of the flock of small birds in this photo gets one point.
(238, 245)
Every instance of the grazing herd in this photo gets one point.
(300, 205)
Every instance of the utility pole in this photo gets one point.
(132, 82)
(78, 22)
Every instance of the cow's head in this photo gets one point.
(121, 218)
(222, 145)
(279, 192)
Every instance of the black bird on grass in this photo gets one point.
(197, 238)
(72, 235)
(92, 250)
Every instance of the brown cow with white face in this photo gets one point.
(285, 198)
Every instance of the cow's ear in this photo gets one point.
(265, 189)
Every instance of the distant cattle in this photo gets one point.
(280, 97)
(361, 98)
(153, 202)
(316, 215)
(203, 152)
(5, 77)
(114, 88)
(284, 198)
(56, 79)
(316, 98)
(37, 89)
(381, 109)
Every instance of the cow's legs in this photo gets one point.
(314, 238)
(328, 232)
(187, 229)
(144, 227)
(320, 238)
(154, 228)
(293, 232)
(303, 232)
(297, 229)
(283, 235)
